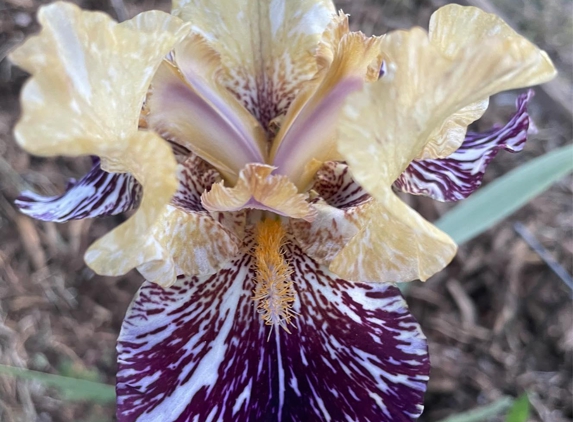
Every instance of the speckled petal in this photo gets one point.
(96, 194)
(89, 79)
(454, 28)
(189, 105)
(387, 125)
(195, 176)
(199, 351)
(324, 237)
(456, 177)
(334, 183)
(394, 244)
(266, 47)
(340, 206)
(150, 160)
(191, 241)
(190, 244)
(257, 188)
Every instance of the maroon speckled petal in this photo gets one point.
(460, 174)
(98, 193)
(334, 183)
(199, 351)
(195, 176)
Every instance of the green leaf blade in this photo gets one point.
(519, 412)
(506, 195)
(71, 388)
(483, 413)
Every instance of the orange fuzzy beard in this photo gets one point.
(274, 292)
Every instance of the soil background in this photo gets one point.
(498, 320)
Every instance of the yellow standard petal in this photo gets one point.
(388, 124)
(89, 78)
(266, 46)
(257, 188)
(151, 161)
(453, 28)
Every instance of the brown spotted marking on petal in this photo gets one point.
(190, 241)
(266, 47)
(340, 207)
(324, 237)
(334, 184)
(195, 176)
(235, 222)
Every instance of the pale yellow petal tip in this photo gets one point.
(179, 243)
(26, 55)
(394, 244)
(550, 71)
(257, 188)
(449, 250)
(454, 27)
(160, 272)
(128, 246)
(89, 78)
(448, 137)
(397, 270)
(431, 90)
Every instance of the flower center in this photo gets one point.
(274, 291)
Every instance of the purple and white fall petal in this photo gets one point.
(457, 176)
(199, 350)
(98, 193)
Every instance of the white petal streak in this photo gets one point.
(359, 353)
(199, 333)
(198, 350)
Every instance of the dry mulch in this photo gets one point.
(498, 320)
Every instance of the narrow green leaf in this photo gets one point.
(503, 196)
(519, 412)
(506, 195)
(71, 369)
(481, 414)
(71, 388)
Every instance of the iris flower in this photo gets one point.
(262, 143)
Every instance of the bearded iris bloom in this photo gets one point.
(262, 143)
